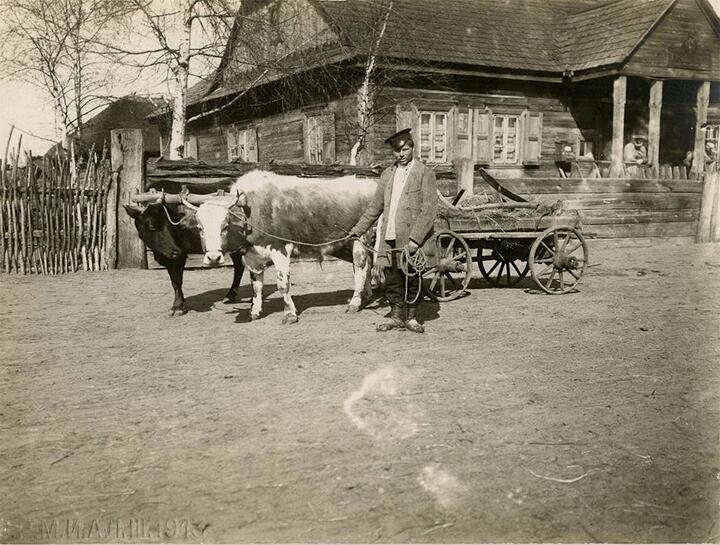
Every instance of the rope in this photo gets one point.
(244, 219)
(173, 223)
(412, 265)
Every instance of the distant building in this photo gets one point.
(128, 112)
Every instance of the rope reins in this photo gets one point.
(411, 264)
(244, 219)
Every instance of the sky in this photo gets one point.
(30, 111)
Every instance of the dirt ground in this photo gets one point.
(517, 417)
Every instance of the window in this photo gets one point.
(314, 139)
(242, 145)
(319, 137)
(433, 137)
(505, 139)
(585, 148)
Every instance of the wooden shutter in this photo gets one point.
(532, 136)
(231, 142)
(482, 129)
(308, 141)
(463, 130)
(451, 135)
(251, 146)
(191, 147)
(406, 116)
(328, 127)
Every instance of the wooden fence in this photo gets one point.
(52, 217)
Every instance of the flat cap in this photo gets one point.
(400, 138)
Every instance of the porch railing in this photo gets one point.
(585, 168)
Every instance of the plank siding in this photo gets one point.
(280, 138)
(684, 20)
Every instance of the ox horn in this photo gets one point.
(241, 198)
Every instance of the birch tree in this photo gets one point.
(51, 44)
(173, 32)
(366, 94)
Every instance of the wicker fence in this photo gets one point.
(52, 215)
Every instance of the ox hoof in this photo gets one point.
(177, 312)
(353, 308)
(231, 297)
(289, 319)
(254, 317)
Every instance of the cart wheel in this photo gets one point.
(558, 258)
(449, 278)
(500, 270)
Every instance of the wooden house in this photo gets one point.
(526, 88)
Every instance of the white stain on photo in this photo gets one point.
(444, 487)
(380, 406)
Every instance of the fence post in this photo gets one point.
(125, 249)
(708, 229)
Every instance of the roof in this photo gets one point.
(549, 37)
(609, 33)
(494, 33)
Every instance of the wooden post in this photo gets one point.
(703, 97)
(465, 169)
(618, 131)
(713, 176)
(656, 98)
(709, 219)
(127, 164)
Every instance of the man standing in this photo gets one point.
(407, 194)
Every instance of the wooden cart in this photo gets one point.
(508, 240)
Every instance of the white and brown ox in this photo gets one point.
(266, 214)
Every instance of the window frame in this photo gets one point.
(432, 158)
(234, 133)
(518, 139)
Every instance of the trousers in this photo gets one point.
(395, 282)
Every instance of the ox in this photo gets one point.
(171, 232)
(268, 216)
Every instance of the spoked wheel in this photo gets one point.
(500, 266)
(558, 258)
(449, 278)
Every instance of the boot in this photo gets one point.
(395, 321)
(412, 324)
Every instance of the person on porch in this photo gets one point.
(635, 154)
(710, 156)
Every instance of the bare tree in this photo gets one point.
(192, 30)
(52, 45)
